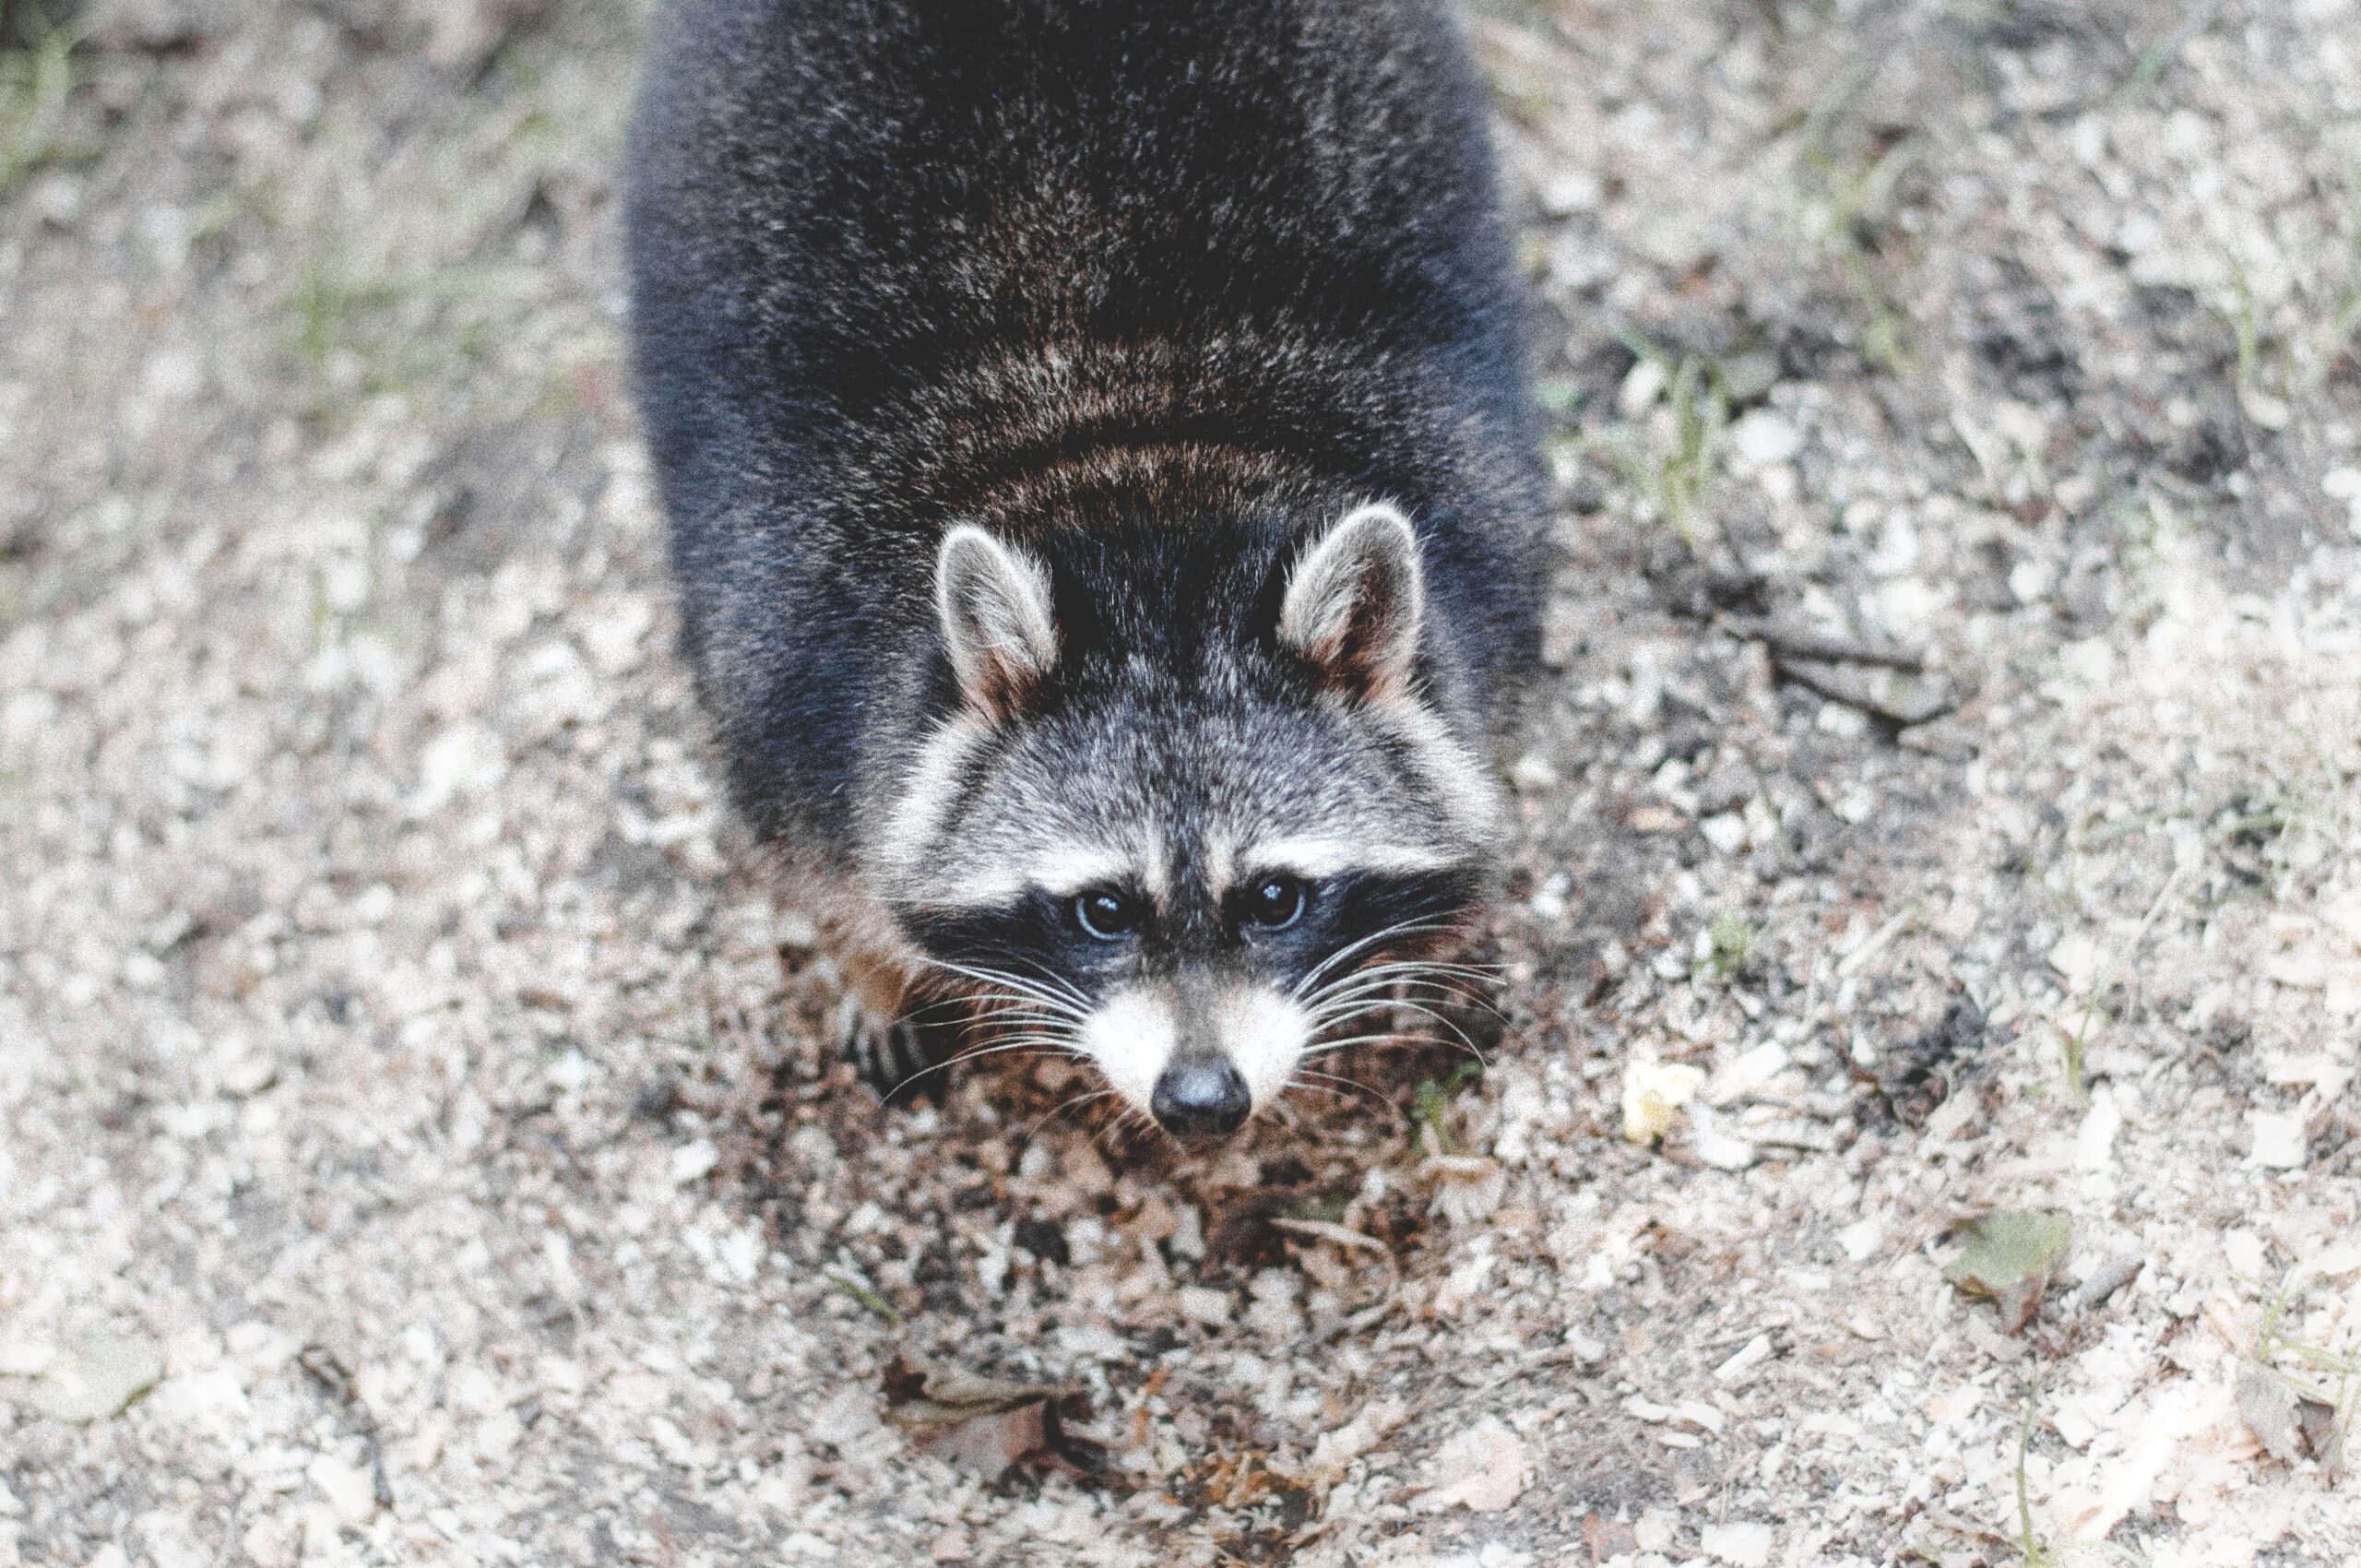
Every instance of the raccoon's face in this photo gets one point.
(1187, 827)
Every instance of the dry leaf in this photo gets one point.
(986, 1424)
(2290, 1425)
(2009, 1256)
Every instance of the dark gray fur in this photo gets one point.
(1154, 290)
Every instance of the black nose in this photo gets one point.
(1201, 1098)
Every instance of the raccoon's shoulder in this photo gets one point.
(851, 194)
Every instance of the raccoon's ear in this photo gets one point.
(1355, 603)
(993, 603)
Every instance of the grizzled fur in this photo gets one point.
(1153, 293)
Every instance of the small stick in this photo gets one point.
(1930, 707)
(1787, 643)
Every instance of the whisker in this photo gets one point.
(1066, 1001)
(1326, 1078)
(1439, 965)
(1395, 932)
(1393, 1039)
(1045, 1045)
(1325, 1047)
(1001, 1023)
(1059, 1111)
(1476, 992)
(1373, 1007)
(1436, 970)
(974, 1002)
(1443, 992)
(1042, 979)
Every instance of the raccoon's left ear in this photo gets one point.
(994, 603)
(1355, 603)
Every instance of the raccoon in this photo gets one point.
(1104, 504)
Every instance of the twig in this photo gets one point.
(1820, 647)
(1933, 706)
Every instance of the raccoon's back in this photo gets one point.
(890, 254)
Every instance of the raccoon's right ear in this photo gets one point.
(993, 603)
(1354, 604)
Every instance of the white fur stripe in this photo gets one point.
(1263, 1035)
(1130, 1040)
(917, 818)
(1070, 871)
(1315, 857)
(1466, 790)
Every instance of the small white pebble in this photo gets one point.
(1761, 438)
(351, 1491)
(2279, 1141)
(1741, 1544)
(693, 1162)
(1203, 1304)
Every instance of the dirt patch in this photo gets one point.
(1949, 756)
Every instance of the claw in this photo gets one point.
(887, 1053)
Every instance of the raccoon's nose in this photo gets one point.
(1201, 1098)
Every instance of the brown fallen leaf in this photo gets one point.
(2290, 1424)
(2009, 1256)
(987, 1425)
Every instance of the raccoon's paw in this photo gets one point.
(894, 1056)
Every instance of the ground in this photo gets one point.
(1950, 751)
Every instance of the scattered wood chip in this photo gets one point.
(1351, 1240)
(94, 1378)
(1608, 1538)
(1204, 1304)
(1754, 1352)
(1653, 1093)
(1699, 1414)
(1467, 1187)
(2106, 1280)
(2279, 1139)
(1336, 1449)
(2009, 1256)
(990, 1425)
(1484, 1470)
(1742, 1543)
(1715, 1144)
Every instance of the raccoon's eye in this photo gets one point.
(1275, 903)
(1106, 915)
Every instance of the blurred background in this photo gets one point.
(419, 1144)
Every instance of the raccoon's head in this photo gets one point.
(1186, 802)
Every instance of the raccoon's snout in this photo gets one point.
(1199, 1055)
(1201, 1098)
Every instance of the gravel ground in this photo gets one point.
(1947, 781)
